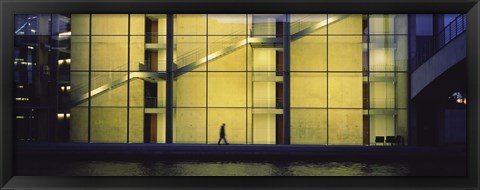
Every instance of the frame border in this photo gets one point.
(10, 7)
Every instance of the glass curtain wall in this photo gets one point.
(101, 78)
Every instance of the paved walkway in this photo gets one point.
(195, 151)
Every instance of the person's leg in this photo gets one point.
(219, 140)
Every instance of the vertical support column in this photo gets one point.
(128, 82)
(169, 82)
(412, 64)
(286, 79)
(366, 80)
(89, 77)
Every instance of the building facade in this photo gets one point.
(320, 79)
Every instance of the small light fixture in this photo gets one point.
(459, 100)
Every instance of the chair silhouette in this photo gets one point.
(391, 140)
(379, 139)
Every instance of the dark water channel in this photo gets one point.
(92, 167)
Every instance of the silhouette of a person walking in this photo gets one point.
(222, 134)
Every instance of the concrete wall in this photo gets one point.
(448, 56)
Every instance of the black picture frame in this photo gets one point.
(10, 7)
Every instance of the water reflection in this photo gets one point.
(221, 168)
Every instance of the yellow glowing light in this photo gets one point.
(68, 88)
(21, 99)
(60, 61)
(20, 86)
(67, 115)
(31, 47)
(68, 61)
(20, 117)
(65, 34)
(60, 115)
(459, 101)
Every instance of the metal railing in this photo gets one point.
(439, 40)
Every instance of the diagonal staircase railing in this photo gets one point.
(154, 76)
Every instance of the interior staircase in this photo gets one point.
(153, 77)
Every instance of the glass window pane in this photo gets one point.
(227, 53)
(153, 125)
(267, 93)
(402, 126)
(189, 125)
(137, 94)
(80, 24)
(190, 53)
(109, 89)
(309, 126)
(345, 53)
(190, 90)
(345, 90)
(227, 24)
(309, 53)
(388, 24)
(110, 53)
(402, 90)
(33, 24)
(345, 24)
(79, 124)
(266, 24)
(79, 87)
(382, 123)
(308, 90)
(265, 59)
(227, 89)
(113, 131)
(138, 59)
(345, 127)
(308, 24)
(138, 24)
(264, 126)
(190, 24)
(382, 94)
(79, 52)
(61, 24)
(155, 24)
(136, 125)
(388, 53)
(110, 24)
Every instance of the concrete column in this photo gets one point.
(169, 82)
(286, 79)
